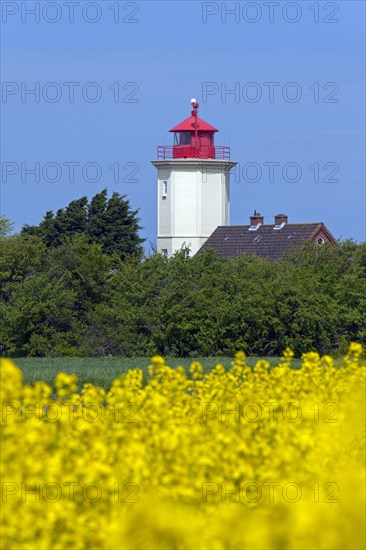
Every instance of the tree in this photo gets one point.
(20, 257)
(108, 222)
(96, 221)
(39, 317)
(76, 299)
(114, 225)
(47, 294)
(6, 227)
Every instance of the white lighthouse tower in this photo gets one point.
(193, 186)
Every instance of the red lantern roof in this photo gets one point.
(189, 125)
(193, 139)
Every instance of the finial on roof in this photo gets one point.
(195, 106)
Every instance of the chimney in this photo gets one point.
(256, 220)
(281, 219)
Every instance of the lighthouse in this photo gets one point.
(193, 186)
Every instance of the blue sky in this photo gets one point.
(161, 54)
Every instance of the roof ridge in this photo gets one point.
(271, 224)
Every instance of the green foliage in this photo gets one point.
(38, 313)
(6, 227)
(108, 222)
(80, 299)
(20, 256)
(47, 292)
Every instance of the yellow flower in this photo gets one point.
(157, 359)
(176, 463)
(196, 369)
(11, 380)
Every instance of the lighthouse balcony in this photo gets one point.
(170, 152)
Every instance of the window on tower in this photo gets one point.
(182, 138)
(165, 188)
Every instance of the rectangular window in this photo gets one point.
(182, 138)
(165, 188)
(164, 252)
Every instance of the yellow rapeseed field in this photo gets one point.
(262, 458)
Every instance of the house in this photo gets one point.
(193, 199)
(266, 240)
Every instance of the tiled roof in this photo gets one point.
(230, 241)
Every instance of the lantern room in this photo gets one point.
(193, 138)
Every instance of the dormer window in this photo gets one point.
(254, 227)
(279, 225)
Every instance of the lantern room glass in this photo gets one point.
(182, 138)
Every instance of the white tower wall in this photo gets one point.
(193, 199)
